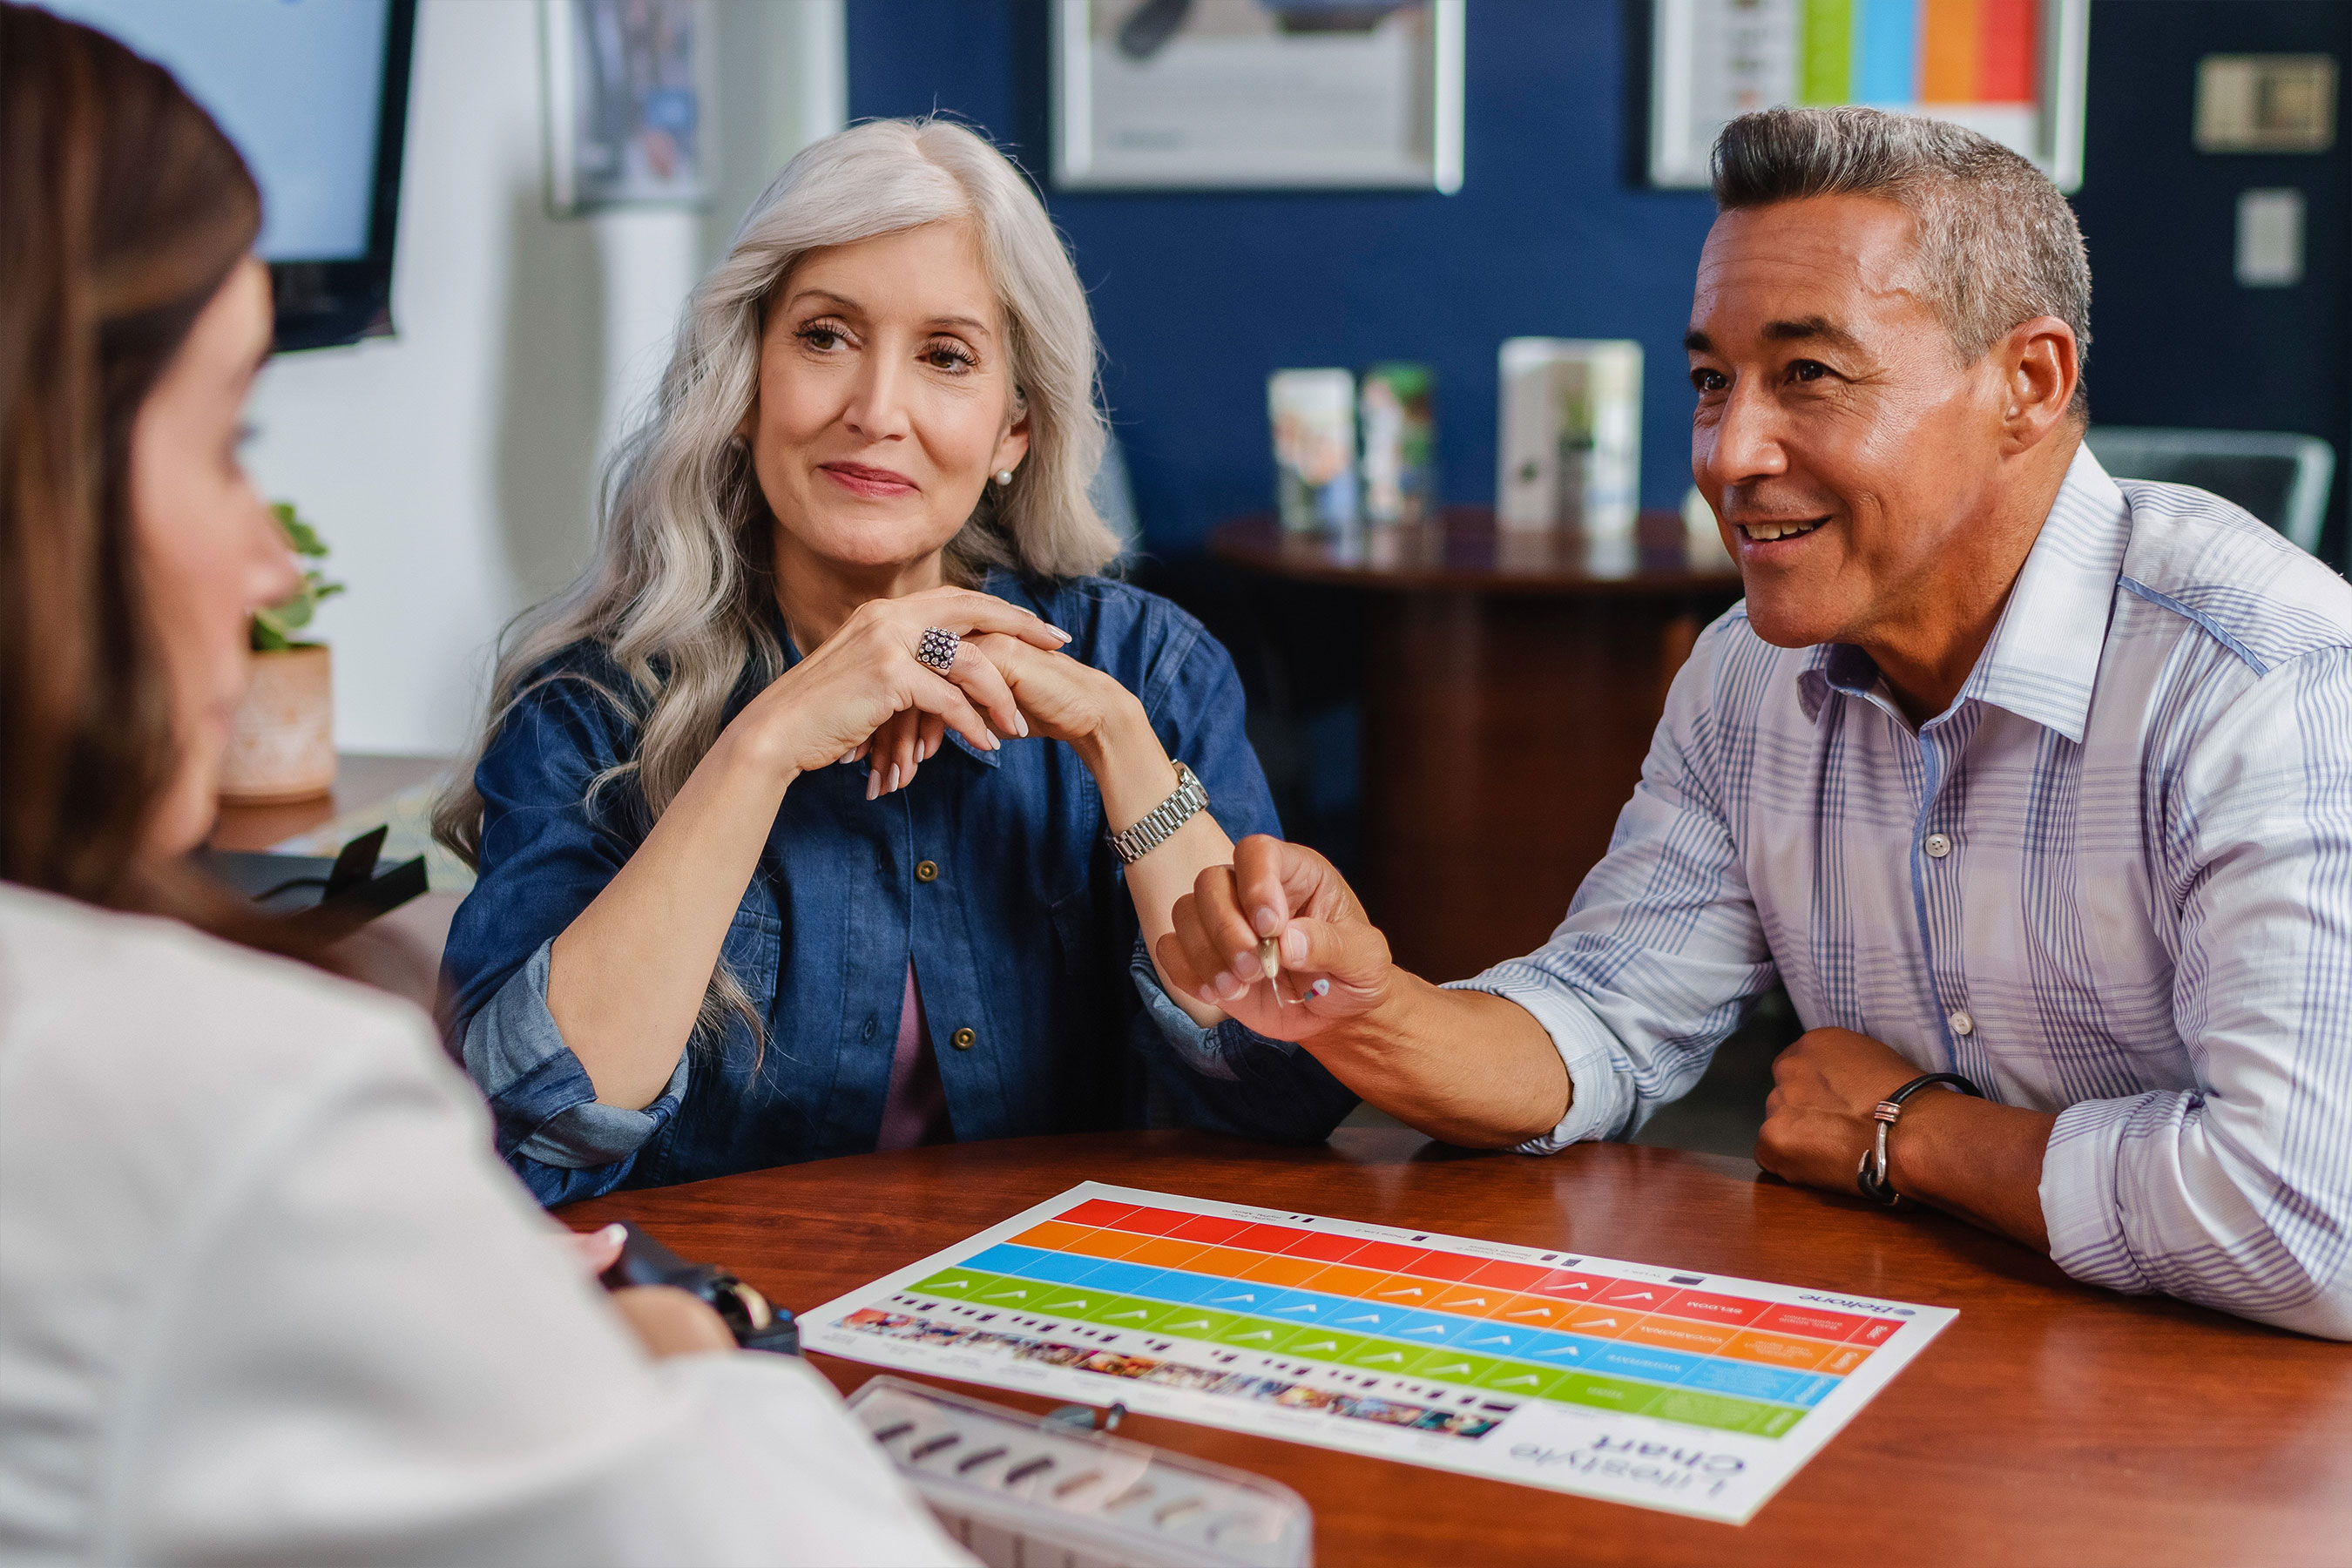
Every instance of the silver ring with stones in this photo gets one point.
(937, 648)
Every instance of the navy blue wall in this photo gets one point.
(1198, 295)
(2175, 340)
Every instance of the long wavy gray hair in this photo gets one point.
(674, 591)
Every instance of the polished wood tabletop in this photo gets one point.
(2053, 1423)
(1461, 548)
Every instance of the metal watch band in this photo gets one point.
(1189, 799)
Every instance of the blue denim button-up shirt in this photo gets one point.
(1026, 936)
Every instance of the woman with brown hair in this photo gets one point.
(266, 1294)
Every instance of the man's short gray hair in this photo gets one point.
(1998, 244)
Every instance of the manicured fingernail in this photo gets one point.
(1246, 964)
(1321, 988)
(1266, 921)
(894, 775)
(1207, 994)
(1294, 946)
(614, 1233)
(873, 784)
(1059, 633)
(847, 758)
(1228, 987)
(1020, 720)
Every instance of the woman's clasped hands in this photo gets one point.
(861, 694)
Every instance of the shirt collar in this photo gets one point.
(2044, 659)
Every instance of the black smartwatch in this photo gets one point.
(756, 1324)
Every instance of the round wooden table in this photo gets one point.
(2053, 1423)
(1511, 682)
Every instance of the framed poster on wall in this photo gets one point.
(628, 102)
(1204, 94)
(2009, 69)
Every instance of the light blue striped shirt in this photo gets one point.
(2114, 881)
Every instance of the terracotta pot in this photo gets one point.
(282, 745)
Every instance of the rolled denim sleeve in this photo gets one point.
(550, 841)
(547, 1110)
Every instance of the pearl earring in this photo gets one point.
(1004, 476)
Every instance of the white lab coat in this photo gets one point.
(267, 1297)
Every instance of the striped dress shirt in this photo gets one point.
(2113, 881)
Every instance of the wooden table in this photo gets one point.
(2052, 1424)
(1511, 683)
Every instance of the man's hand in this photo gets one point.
(1464, 1066)
(1335, 962)
(1817, 1120)
(1968, 1157)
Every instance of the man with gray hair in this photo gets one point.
(2032, 787)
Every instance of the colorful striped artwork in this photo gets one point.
(1526, 1365)
(1916, 53)
(2010, 69)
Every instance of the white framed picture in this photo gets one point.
(628, 102)
(2009, 69)
(1209, 94)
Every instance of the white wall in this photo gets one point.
(452, 468)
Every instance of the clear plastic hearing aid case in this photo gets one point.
(1023, 1491)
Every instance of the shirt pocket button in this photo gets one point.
(963, 1039)
(927, 870)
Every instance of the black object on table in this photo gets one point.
(333, 896)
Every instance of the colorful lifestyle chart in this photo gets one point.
(1692, 1393)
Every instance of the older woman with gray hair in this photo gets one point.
(836, 805)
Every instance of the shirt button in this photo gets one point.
(927, 870)
(1936, 845)
(1962, 1023)
(963, 1039)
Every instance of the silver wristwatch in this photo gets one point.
(1189, 799)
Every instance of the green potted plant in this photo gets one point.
(283, 745)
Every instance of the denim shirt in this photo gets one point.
(991, 873)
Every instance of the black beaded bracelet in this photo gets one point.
(1870, 1176)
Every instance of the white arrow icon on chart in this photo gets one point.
(1514, 1382)
(1410, 1290)
(1131, 1312)
(1428, 1329)
(1376, 1360)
